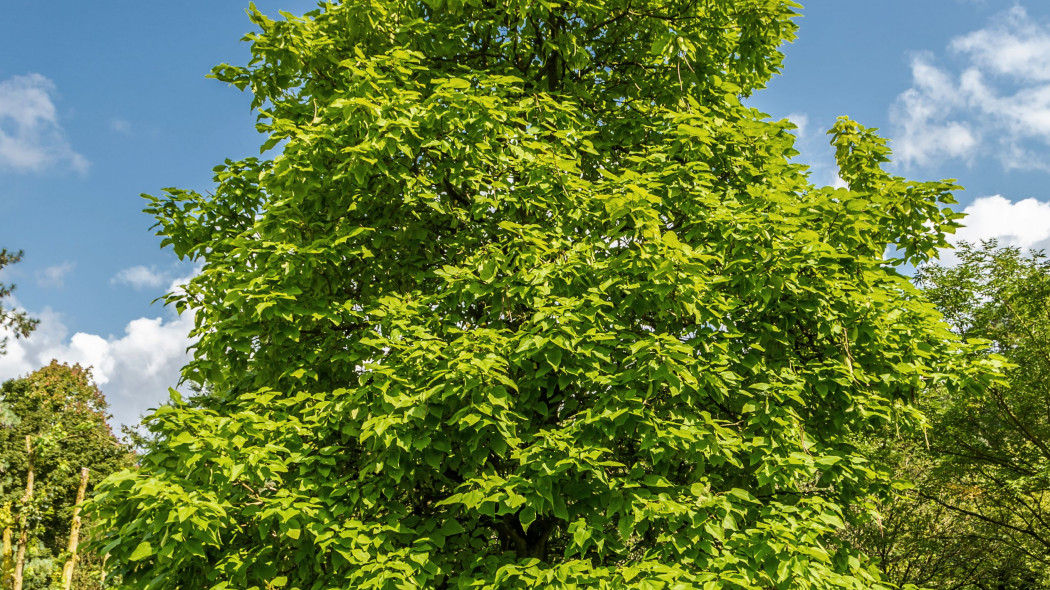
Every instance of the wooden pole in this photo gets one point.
(74, 532)
(23, 537)
(5, 561)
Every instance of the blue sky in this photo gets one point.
(102, 101)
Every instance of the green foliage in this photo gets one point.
(976, 515)
(924, 535)
(527, 299)
(993, 446)
(64, 414)
(17, 322)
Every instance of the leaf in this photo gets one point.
(553, 355)
(142, 551)
(457, 84)
(527, 516)
(559, 508)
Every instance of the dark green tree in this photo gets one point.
(527, 299)
(978, 515)
(10, 319)
(995, 443)
(927, 535)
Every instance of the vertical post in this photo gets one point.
(5, 561)
(23, 537)
(74, 532)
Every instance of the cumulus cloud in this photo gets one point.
(54, 276)
(31, 138)
(134, 370)
(141, 277)
(996, 101)
(1023, 224)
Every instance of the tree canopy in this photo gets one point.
(528, 297)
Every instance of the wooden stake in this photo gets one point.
(23, 537)
(74, 532)
(5, 561)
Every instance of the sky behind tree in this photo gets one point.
(102, 101)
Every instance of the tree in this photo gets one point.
(16, 321)
(977, 516)
(928, 536)
(61, 411)
(994, 445)
(529, 298)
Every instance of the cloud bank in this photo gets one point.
(134, 370)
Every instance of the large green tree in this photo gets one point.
(529, 298)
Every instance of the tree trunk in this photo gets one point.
(23, 537)
(74, 533)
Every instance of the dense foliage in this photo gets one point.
(529, 298)
(979, 515)
(63, 413)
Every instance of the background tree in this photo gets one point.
(530, 299)
(979, 513)
(64, 413)
(16, 321)
(937, 543)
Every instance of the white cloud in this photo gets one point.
(141, 277)
(1025, 224)
(996, 102)
(31, 138)
(920, 113)
(54, 276)
(1013, 45)
(133, 370)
